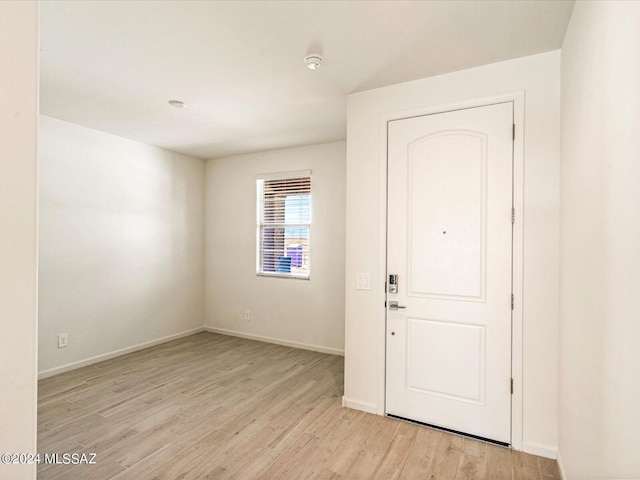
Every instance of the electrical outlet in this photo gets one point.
(63, 340)
(247, 315)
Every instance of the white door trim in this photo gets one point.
(518, 245)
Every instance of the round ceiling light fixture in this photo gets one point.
(176, 103)
(313, 61)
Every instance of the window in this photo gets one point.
(284, 224)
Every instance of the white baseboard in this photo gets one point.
(116, 353)
(277, 341)
(540, 450)
(358, 405)
(563, 473)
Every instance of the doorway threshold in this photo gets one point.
(455, 432)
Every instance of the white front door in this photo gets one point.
(450, 243)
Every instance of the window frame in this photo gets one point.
(260, 224)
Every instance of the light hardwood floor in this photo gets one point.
(218, 407)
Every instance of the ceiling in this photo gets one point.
(238, 65)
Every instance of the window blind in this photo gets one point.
(284, 224)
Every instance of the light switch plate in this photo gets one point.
(363, 281)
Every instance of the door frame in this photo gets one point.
(517, 98)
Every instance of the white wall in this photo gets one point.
(18, 227)
(600, 243)
(539, 77)
(306, 313)
(121, 243)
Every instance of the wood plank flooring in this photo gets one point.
(215, 407)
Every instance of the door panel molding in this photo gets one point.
(438, 386)
(422, 195)
(517, 98)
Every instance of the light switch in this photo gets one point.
(363, 281)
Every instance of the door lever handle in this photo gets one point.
(393, 305)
